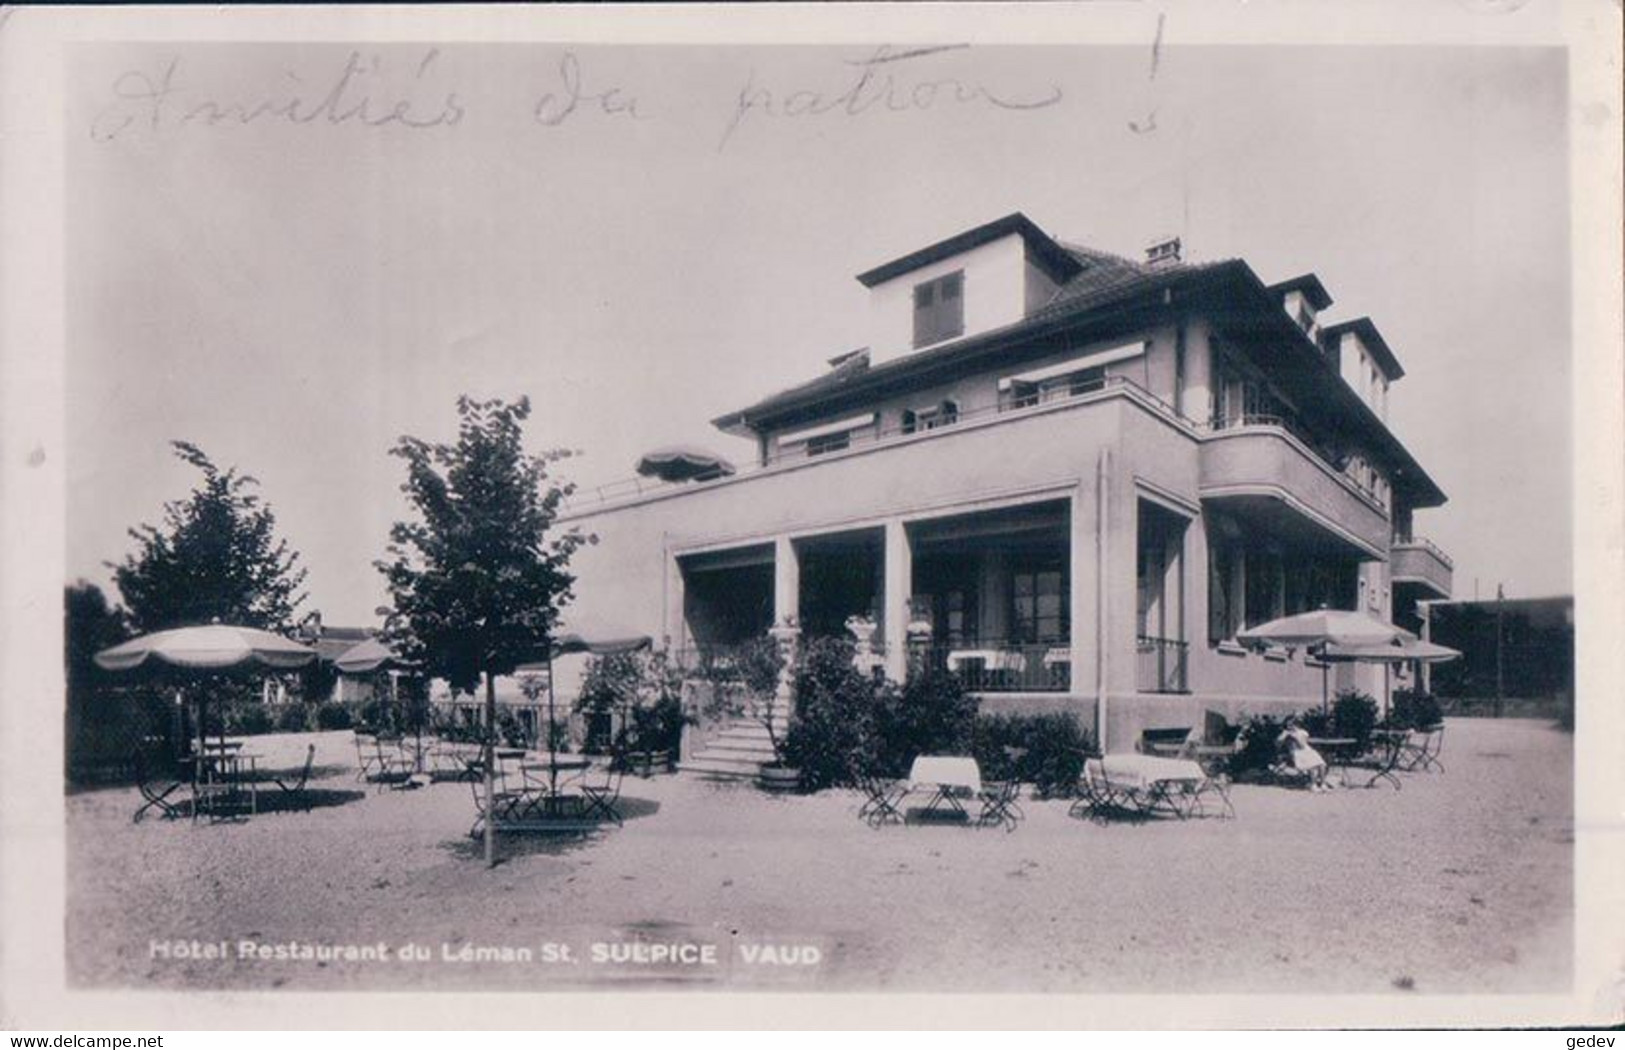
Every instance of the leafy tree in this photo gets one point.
(216, 556)
(477, 582)
(91, 626)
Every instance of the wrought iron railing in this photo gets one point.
(1003, 667)
(1161, 664)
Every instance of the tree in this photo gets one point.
(91, 626)
(216, 557)
(476, 581)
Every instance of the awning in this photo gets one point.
(1076, 364)
(825, 429)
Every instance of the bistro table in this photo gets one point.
(225, 776)
(949, 778)
(1153, 782)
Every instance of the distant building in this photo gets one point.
(1082, 474)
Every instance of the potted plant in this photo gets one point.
(761, 668)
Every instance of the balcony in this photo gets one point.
(1418, 561)
(1266, 473)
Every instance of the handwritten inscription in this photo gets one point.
(554, 109)
(879, 81)
(365, 92)
(356, 94)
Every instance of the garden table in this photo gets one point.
(949, 778)
(1152, 782)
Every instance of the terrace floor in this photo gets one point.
(1460, 882)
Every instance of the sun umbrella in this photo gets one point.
(370, 657)
(205, 648)
(367, 657)
(683, 463)
(1322, 628)
(1402, 650)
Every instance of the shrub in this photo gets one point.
(1260, 736)
(656, 727)
(333, 716)
(1354, 715)
(293, 718)
(1414, 710)
(1054, 744)
(930, 715)
(248, 720)
(831, 730)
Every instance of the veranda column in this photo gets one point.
(1085, 565)
(898, 587)
(786, 582)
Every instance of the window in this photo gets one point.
(1039, 607)
(817, 446)
(945, 414)
(1021, 395)
(1223, 601)
(1264, 587)
(939, 309)
(1086, 382)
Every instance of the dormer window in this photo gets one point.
(939, 309)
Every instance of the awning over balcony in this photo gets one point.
(840, 426)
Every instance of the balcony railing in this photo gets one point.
(1161, 664)
(1427, 545)
(869, 436)
(1415, 560)
(1000, 667)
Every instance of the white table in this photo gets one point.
(1154, 782)
(948, 777)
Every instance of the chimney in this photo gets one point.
(1163, 252)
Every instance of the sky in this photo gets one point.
(643, 238)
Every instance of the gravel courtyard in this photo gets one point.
(1460, 882)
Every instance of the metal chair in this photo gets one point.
(999, 805)
(882, 800)
(1420, 751)
(1097, 799)
(601, 793)
(296, 788)
(156, 792)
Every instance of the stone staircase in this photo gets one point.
(735, 752)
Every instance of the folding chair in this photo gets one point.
(367, 756)
(601, 792)
(1420, 752)
(882, 799)
(156, 792)
(503, 801)
(1097, 798)
(296, 788)
(999, 804)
